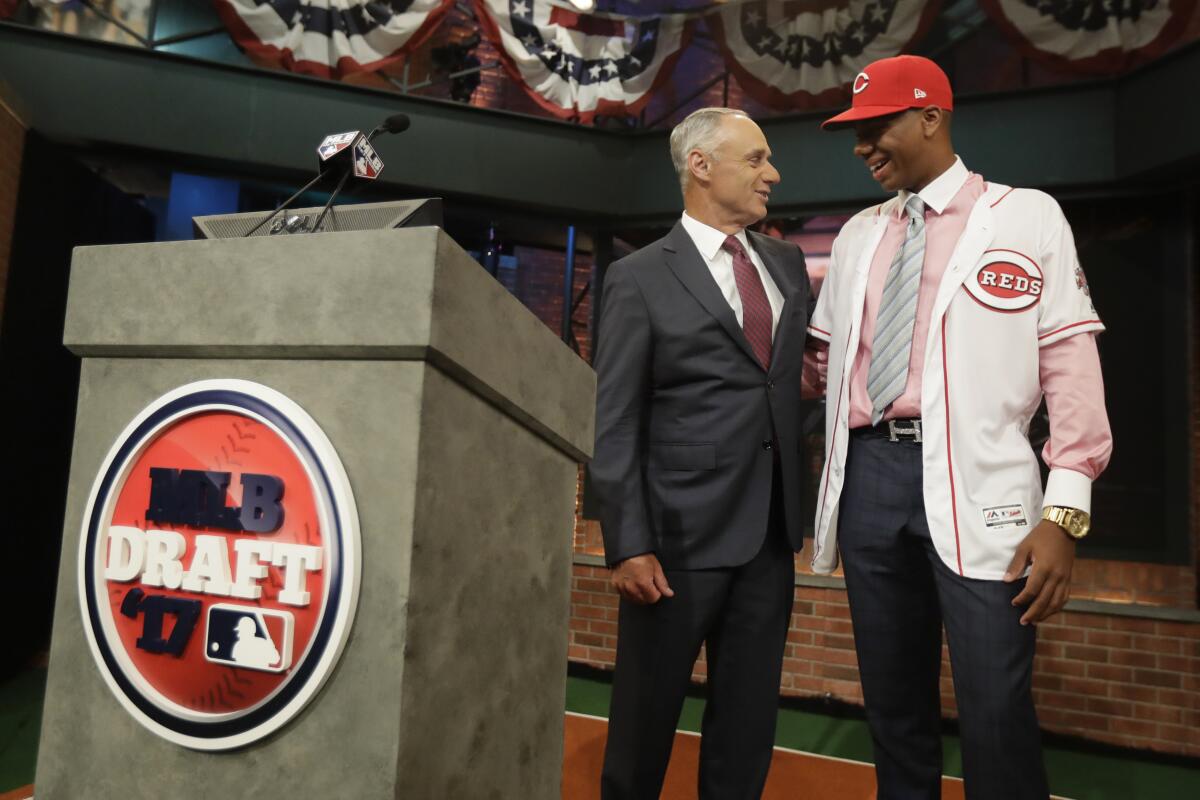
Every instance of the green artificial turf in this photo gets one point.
(20, 721)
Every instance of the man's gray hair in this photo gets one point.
(700, 130)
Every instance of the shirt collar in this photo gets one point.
(940, 191)
(708, 240)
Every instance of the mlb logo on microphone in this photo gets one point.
(367, 164)
(249, 637)
(334, 143)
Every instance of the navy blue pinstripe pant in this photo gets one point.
(901, 594)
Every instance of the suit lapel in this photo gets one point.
(683, 259)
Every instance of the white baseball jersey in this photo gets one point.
(1012, 286)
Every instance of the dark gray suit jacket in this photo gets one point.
(688, 423)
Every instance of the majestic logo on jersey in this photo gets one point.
(1006, 281)
(218, 563)
(1007, 516)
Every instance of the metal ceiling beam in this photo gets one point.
(245, 120)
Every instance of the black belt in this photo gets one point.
(894, 430)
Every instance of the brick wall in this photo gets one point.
(1128, 681)
(12, 140)
(1109, 672)
(1100, 673)
(1195, 389)
(539, 285)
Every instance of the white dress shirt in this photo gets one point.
(709, 241)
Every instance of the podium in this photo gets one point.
(457, 420)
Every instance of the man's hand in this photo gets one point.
(815, 370)
(641, 580)
(1052, 552)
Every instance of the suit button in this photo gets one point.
(766, 444)
(770, 384)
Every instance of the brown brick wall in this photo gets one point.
(1194, 385)
(12, 141)
(1122, 680)
(1129, 681)
(1126, 681)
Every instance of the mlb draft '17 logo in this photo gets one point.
(219, 563)
(1005, 280)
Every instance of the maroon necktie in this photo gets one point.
(756, 309)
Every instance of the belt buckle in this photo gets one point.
(896, 431)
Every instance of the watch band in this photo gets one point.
(1075, 522)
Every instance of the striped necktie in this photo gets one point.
(892, 345)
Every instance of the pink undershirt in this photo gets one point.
(1080, 439)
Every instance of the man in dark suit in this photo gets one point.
(697, 466)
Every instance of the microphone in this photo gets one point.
(350, 153)
(356, 157)
(396, 123)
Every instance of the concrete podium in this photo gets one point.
(459, 419)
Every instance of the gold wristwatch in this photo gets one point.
(1075, 522)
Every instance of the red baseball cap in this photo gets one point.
(895, 84)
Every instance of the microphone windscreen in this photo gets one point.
(396, 123)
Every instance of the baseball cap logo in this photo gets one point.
(861, 81)
(918, 94)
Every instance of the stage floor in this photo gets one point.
(793, 774)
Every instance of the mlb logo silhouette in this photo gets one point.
(249, 637)
(335, 143)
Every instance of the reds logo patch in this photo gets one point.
(861, 81)
(1081, 282)
(1006, 280)
(219, 563)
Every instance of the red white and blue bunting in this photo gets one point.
(331, 38)
(793, 60)
(1092, 36)
(577, 66)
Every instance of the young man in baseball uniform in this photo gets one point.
(949, 311)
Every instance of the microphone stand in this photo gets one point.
(316, 228)
(289, 201)
(309, 185)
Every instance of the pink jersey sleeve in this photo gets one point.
(1080, 438)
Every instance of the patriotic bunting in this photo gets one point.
(576, 65)
(331, 38)
(786, 60)
(1092, 36)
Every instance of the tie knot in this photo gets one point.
(916, 208)
(732, 246)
